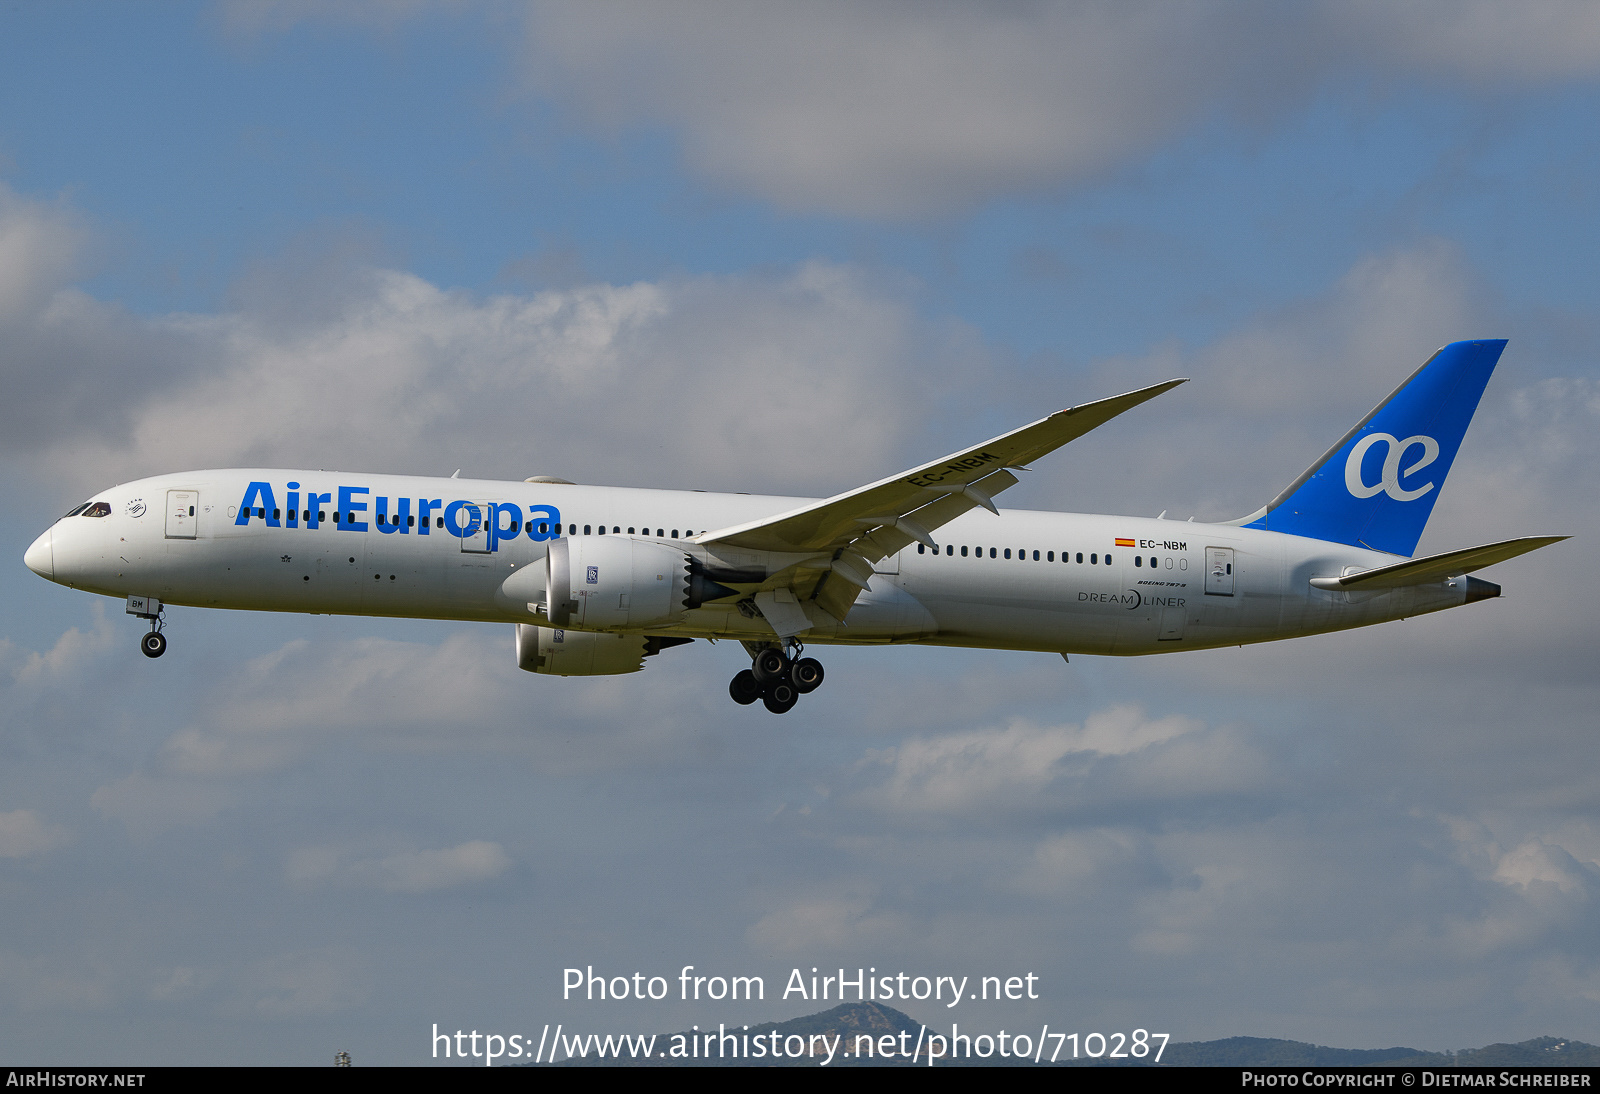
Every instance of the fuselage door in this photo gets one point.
(474, 517)
(181, 508)
(1219, 571)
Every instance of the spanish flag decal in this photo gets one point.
(1124, 543)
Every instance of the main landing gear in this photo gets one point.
(778, 677)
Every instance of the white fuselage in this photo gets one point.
(1012, 581)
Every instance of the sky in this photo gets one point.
(793, 249)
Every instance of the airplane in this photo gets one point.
(597, 580)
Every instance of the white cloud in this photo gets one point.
(307, 982)
(906, 109)
(1010, 766)
(24, 832)
(695, 378)
(896, 110)
(150, 806)
(824, 924)
(402, 872)
(64, 662)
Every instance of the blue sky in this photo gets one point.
(792, 249)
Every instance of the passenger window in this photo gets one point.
(602, 529)
(1036, 556)
(991, 552)
(949, 549)
(1050, 556)
(1108, 558)
(963, 552)
(1008, 552)
(1138, 560)
(630, 531)
(1080, 556)
(922, 549)
(674, 533)
(1094, 560)
(1153, 562)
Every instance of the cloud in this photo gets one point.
(826, 924)
(66, 661)
(307, 982)
(960, 771)
(23, 832)
(69, 359)
(388, 372)
(911, 110)
(461, 693)
(403, 872)
(150, 806)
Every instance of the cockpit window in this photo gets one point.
(78, 510)
(98, 509)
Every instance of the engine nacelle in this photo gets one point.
(615, 583)
(558, 652)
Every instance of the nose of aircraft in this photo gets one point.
(41, 557)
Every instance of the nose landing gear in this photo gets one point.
(778, 677)
(153, 644)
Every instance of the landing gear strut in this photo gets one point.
(778, 677)
(153, 644)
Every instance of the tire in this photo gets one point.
(780, 697)
(745, 688)
(770, 665)
(153, 644)
(806, 674)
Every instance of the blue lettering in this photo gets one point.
(544, 522)
(397, 523)
(348, 508)
(258, 492)
(453, 525)
(498, 533)
(425, 510)
(314, 502)
(294, 505)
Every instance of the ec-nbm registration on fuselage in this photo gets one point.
(598, 579)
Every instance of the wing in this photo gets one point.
(919, 500)
(853, 530)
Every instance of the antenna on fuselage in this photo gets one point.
(457, 475)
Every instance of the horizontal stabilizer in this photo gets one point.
(1431, 568)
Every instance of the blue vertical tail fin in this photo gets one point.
(1377, 486)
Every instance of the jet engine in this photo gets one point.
(554, 651)
(558, 652)
(620, 583)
